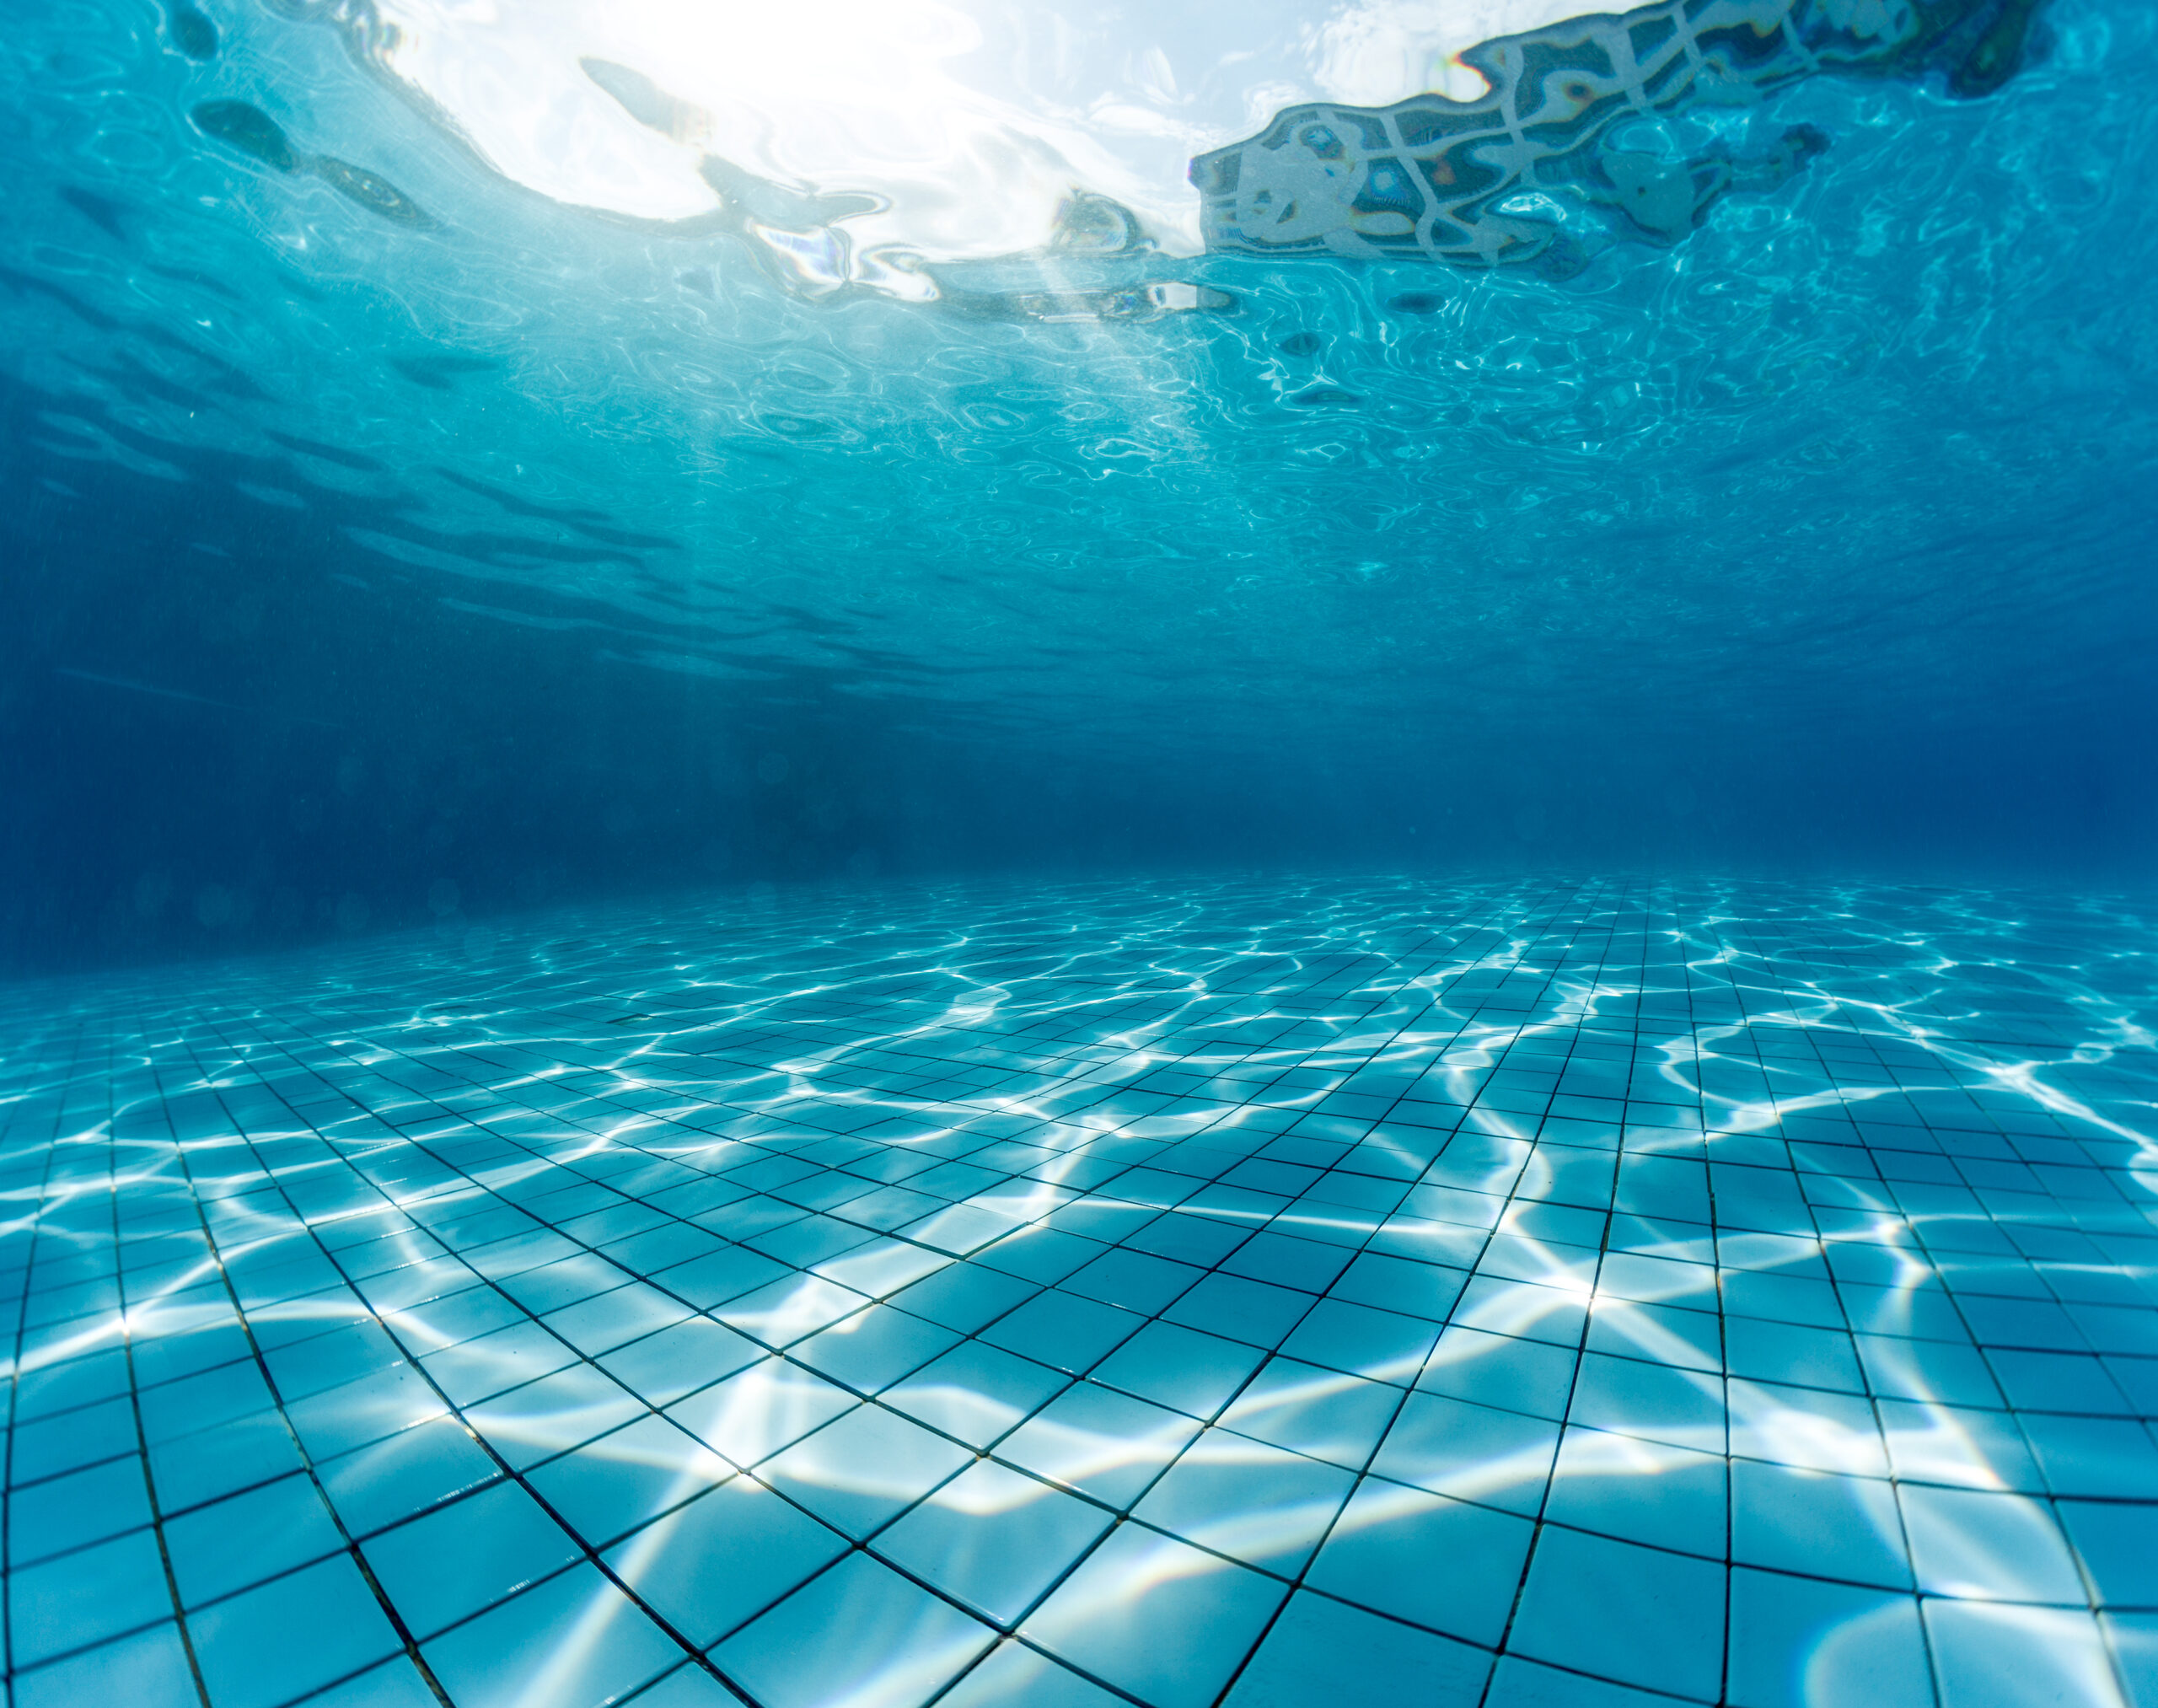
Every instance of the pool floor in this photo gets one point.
(1397, 1291)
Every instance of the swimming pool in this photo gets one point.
(930, 854)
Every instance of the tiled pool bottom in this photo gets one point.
(1395, 1293)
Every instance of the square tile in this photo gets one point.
(1156, 1617)
(994, 1539)
(864, 1469)
(575, 1641)
(1101, 1443)
(720, 1559)
(290, 1635)
(1259, 1504)
(902, 1646)
(1302, 1661)
(1633, 1615)
(466, 1556)
(1439, 1563)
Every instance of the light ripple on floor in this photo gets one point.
(1399, 1291)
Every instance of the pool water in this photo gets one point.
(935, 855)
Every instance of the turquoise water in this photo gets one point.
(920, 854)
(1816, 537)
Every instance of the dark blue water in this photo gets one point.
(349, 557)
(1375, 930)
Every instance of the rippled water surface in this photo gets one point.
(1692, 480)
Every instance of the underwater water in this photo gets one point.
(865, 856)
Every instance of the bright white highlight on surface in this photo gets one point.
(968, 125)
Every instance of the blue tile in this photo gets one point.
(1958, 1447)
(2103, 1456)
(964, 1297)
(752, 1416)
(1259, 1504)
(192, 1468)
(1823, 1525)
(1013, 1673)
(1498, 1370)
(784, 1311)
(147, 1670)
(691, 1685)
(1796, 1643)
(1156, 1617)
(2058, 1380)
(551, 1415)
(1519, 1684)
(1474, 1453)
(993, 1539)
(575, 1641)
(407, 1474)
(83, 1506)
(1926, 1371)
(709, 1565)
(1968, 1542)
(1441, 1563)
(1100, 1442)
(1642, 1492)
(394, 1684)
(1040, 1253)
(902, 1644)
(47, 1389)
(342, 1419)
(1323, 1414)
(1040, 1143)
(1680, 1407)
(718, 1276)
(1383, 1346)
(203, 1401)
(2114, 1541)
(861, 1472)
(1992, 1656)
(87, 1597)
(1181, 1368)
(1681, 1338)
(612, 1486)
(471, 1313)
(1071, 1333)
(1135, 1279)
(1811, 1357)
(1281, 1259)
(1307, 1658)
(976, 1393)
(597, 1326)
(2134, 1640)
(329, 1361)
(1632, 1614)
(508, 1357)
(1392, 1283)
(1241, 1309)
(292, 1635)
(216, 1549)
(662, 1366)
(874, 1348)
(464, 1557)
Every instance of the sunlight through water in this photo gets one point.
(1112, 1292)
(1029, 854)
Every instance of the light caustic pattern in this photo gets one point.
(1527, 1293)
